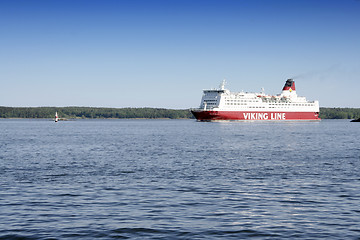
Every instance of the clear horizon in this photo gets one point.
(162, 54)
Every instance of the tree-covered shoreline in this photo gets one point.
(93, 112)
(339, 113)
(132, 113)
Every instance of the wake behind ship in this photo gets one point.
(221, 104)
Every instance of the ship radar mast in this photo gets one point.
(222, 84)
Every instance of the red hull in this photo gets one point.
(252, 116)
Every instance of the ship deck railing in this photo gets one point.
(202, 109)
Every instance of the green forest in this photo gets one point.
(93, 113)
(339, 113)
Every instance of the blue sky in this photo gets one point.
(162, 53)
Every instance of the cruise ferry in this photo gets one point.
(221, 104)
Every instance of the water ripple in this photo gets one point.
(159, 179)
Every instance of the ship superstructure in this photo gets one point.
(221, 104)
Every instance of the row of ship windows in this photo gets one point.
(210, 104)
(265, 107)
(274, 104)
(242, 101)
(254, 106)
(214, 102)
(292, 104)
(235, 103)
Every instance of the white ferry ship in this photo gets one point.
(221, 104)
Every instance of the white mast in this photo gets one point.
(222, 85)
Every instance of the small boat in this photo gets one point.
(56, 117)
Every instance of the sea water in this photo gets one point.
(179, 179)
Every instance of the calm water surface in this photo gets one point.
(179, 179)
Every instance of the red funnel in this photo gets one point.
(290, 84)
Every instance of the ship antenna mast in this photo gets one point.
(222, 85)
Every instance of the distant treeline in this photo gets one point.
(91, 112)
(339, 113)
